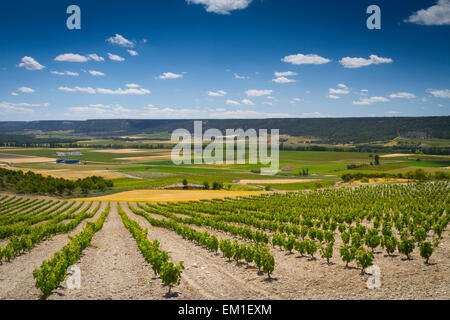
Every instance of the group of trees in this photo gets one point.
(419, 174)
(34, 183)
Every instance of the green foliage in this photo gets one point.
(171, 274)
(53, 271)
(426, 250)
(364, 259)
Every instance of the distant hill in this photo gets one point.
(341, 130)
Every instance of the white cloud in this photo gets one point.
(298, 59)
(132, 52)
(232, 103)
(437, 15)
(312, 115)
(96, 73)
(332, 96)
(30, 64)
(120, 91)
(402, 95)
(439, 93)
(170, 75)
(338, 91)
(222, 6)
(14, 94)
(285, 74)
(236, 76)
(132, 85)
(244, 114)
(65, 73)
(343, 86)
(23, 107)
(26, 90)
(248, 102)
(77, 88)
(283, 80)
(71, 57)
(353, 63)
(101, 111)
(120, 40)
(219, 93)
(115, 57)
(295, 100)
(393, 112)
(95, 57)
(258, 93)
(268, 103)
(367, 101)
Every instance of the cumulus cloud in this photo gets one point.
(132, 52)
(338, 91)
(65, 73)
(353, 63)
(332, 96)
(437, 15)
(101, 111)
(258, 93)
(402, 95)
(95, 57)
(119, 91)
(295, 100)
(120, 41)
(14, 94)
(299, 59)
(248, 102)
(26, 90)
(371, 100)
(236, 76)
(285, 74)
(132, 85)
(71, 57)
(22, 107)
(283, 80)
(222, 6)
(115, 57)
(30, 64)
(232, 103)
(219, 93)
(439, 93)
(169, 75)
(96, 73)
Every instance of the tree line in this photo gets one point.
(30, 182)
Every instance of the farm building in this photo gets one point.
(287, 168)
(68, 161)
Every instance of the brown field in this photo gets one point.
(170, 195)
(275, 181)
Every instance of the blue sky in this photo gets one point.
(161, 59)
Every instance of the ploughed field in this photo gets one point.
(388, 241)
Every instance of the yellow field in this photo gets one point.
(274, 181)
(72, 174)
(166, 156)
(394, 155)
(23, 159)
(122, 150)
(170, 195)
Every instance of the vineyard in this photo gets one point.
(321, 244)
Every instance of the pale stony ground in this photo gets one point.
(113, 268)
(16, 277)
